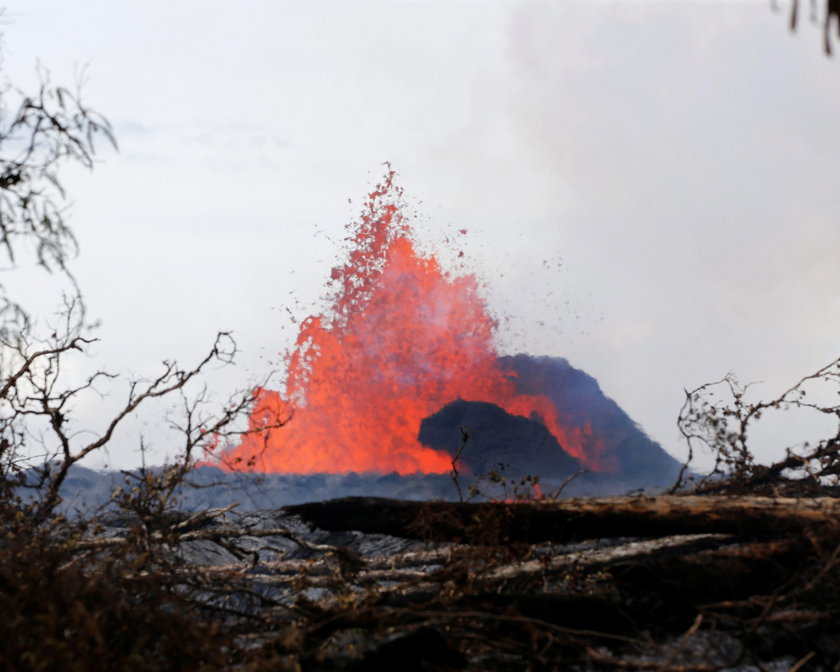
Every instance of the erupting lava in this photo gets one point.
(401, 339)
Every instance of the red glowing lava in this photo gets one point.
(401, 339)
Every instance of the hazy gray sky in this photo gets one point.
(650, 188)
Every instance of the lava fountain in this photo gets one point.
(401, 338)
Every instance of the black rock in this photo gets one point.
(496, 441)
(423, 650)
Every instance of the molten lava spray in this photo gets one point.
(401, 339)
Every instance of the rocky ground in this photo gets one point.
(640, 583)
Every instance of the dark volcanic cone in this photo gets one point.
(496, 440)
(579, 401)
(521, 445)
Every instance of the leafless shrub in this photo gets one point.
(719, 418)
(76, 600)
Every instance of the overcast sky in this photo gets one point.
(650, 188)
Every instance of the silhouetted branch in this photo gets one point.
(830, 17)
(722, 424)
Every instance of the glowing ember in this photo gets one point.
(402, 339)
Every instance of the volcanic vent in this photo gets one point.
(402, 341)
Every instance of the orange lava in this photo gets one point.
(401, 339)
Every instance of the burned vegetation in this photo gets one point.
(739, 571)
